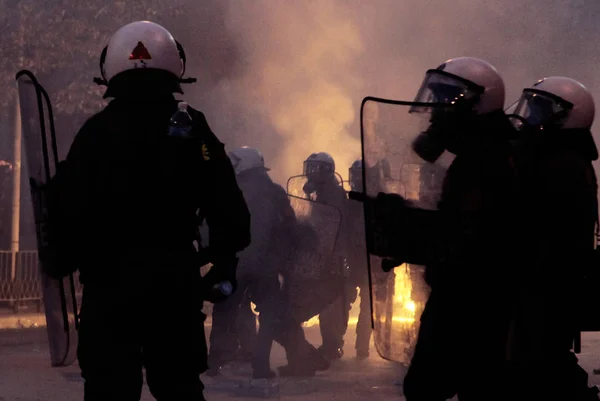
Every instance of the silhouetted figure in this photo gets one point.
(130, 197)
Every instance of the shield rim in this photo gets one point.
(287, 184)
(41, 97)
(338, 211)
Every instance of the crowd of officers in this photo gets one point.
(341, 274)
(510, 278)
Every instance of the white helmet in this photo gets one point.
(142, 44)
(319, 163)
(556, 101)
(246, 158)
(464, 79)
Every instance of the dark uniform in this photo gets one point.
(333, 321)
(131, 201)
(559, 194)
(359, 272)
(295, 302)
(359, 278)
(233, 335)
(276, 233)
(464, 326)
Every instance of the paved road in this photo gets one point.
(25, 374)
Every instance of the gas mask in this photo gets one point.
(429, 145)
(447, 131)
(318, 174)
(455, 98)
(310, 187)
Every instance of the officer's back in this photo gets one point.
(135, 187)
(560, 209)
(139, 179)
(271, 213)
(128, 199)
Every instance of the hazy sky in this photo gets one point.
(288, 76)
(303, 67)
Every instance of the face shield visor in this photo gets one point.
(539, 109)
(444, 88)
(446, 123)
(318, 170)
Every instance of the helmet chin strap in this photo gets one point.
(102, 81)
(188, 80)
(184, 63)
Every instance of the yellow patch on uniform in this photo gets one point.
(205, 152)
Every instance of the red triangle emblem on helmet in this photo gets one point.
(140, 53)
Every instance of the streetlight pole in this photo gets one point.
(16, 193)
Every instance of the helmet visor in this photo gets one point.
(313, 168)
(445, 88)
(540, 109)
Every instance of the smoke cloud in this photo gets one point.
(300, 77)
(302, 68)
(288, 76)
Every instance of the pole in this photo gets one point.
(16, 198)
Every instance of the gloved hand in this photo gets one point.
(388, 205)
(385, 221)
(220, 282)
(309, 188)
(384, 215)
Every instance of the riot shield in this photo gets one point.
(347, 186)
(59, 296)
(314, 277)
(295, 185)
(390, 165)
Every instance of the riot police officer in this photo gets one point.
(466, 318)
(466, 240)
(274, 232)
(233, 334)
(319, 169)
(559, 197)
(129, 201)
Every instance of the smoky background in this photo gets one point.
(288, 77)
(285, 76)
(302, 68)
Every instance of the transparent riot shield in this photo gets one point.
(59, 296)
(390, 165)
(295, 185)
(315, 272)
